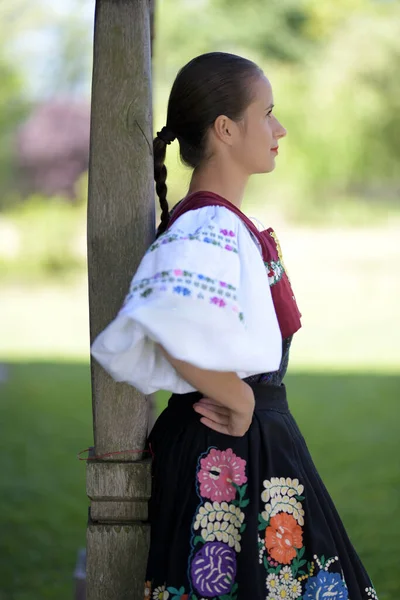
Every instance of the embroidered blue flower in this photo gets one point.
(178, 289)
(207, 240)
(326, 586)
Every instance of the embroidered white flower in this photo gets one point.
(272, 582)
(160, 593)
(295, 589)
(220, 521)
(285, 487)
(371, 593)
(283, 592)
(285, 575)
(279, 496)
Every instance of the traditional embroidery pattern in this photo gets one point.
(225, 238)
(279, 250)
(282, 553)
(275, 270)
(188, 284)
(217, 529)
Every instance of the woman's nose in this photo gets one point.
(280, 130)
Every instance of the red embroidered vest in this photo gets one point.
(283, 298)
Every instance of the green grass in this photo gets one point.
(45, 421)
(349, 420)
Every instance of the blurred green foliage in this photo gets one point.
(333, 68)
(41, 239)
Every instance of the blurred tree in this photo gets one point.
(355, 92)
(64, 35)
(276, 30)
(53, 147)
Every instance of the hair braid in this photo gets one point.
(160, 177)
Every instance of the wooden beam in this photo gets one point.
(120, 228)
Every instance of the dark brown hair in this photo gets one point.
(210, 85)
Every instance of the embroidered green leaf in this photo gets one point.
(266, 565)
(302, 562)
(243, 528)
(243, 490)
(300, 552)
(235, 588)
(322, 560)
(302, 572)
(263, 524)
(197, 540)
(278, 569)
(300, 498)
(244, 503)
(173, 590)
(147, 292)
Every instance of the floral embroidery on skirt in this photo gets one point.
(229, 533)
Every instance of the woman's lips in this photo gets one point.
(275, 149)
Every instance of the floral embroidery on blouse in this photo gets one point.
(225, 238)
(188, 284)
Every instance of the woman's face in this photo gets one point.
(256, 147)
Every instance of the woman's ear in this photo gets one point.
(224, 129)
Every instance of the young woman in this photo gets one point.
(238, 510)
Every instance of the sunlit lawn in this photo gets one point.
(344, 389)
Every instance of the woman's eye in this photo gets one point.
(269, 115)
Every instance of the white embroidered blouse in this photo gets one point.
(201, 291)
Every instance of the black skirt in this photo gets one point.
(244, 518)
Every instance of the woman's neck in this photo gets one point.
(226, 183)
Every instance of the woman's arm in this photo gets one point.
(228, 402)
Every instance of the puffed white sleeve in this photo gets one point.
(201, 291)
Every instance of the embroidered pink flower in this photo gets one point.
(219, 471)
(218, 301)
(178, 272)
(227, 232)
(228, 247)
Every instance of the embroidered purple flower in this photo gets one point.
(228, 247)
(178, 289)
(218, 301)
(227, 232)
(219, 472)
(326, 586)
(223, 284)
(213, 569)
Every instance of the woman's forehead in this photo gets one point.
(263, 92)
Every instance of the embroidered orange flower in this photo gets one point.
(282, 537)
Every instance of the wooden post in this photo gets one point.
(120, 227)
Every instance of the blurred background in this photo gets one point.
(333, 199)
